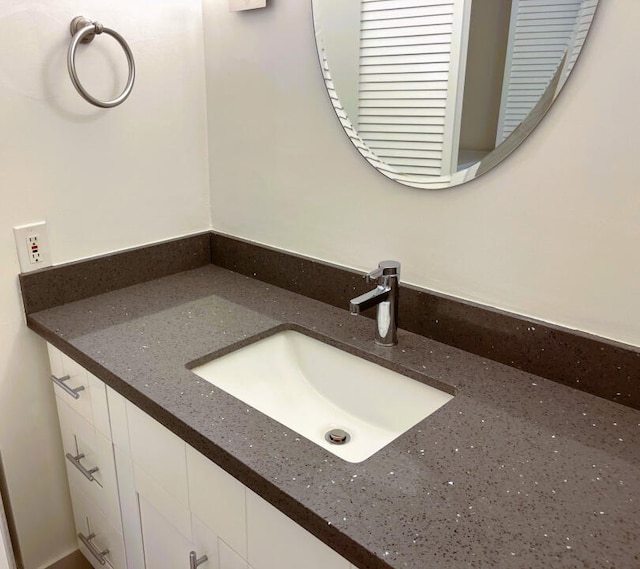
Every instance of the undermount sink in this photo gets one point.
(315, 389)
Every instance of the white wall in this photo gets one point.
(551, 233)
(103, 180)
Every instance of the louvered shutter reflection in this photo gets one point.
(540, 32)
(409, 75)
(583, 23)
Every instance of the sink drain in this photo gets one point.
(337, 437)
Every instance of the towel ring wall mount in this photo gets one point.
(84, 31)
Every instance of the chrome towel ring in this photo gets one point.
(83, 31)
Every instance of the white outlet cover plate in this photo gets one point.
(240, 5)
(21, 233)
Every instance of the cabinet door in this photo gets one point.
(159, 453)
(277, 542)
(166, 546)
(205, 543)
(218, 500)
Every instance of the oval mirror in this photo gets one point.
(434, 93)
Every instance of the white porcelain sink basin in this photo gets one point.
(312, 388)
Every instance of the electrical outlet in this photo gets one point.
(32, 244)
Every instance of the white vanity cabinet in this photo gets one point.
(161, 503)
(158, 468)
(186, 502)
(83, 414)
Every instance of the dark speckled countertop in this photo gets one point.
(515, 472)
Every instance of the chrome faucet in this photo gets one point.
(385, 297)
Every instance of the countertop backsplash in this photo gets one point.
(595, 365)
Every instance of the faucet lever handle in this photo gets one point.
(374, 275)
(385, 268)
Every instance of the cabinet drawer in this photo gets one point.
(86, 450)
(84, 392)
(97, 538)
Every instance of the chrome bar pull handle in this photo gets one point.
(75, 460)
(194, 561)
(61, 383)
(88, 543)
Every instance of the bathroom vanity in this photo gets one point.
(514, 471)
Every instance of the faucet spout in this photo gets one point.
(369, 299)
(385, 297)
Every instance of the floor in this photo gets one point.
(74, 561)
